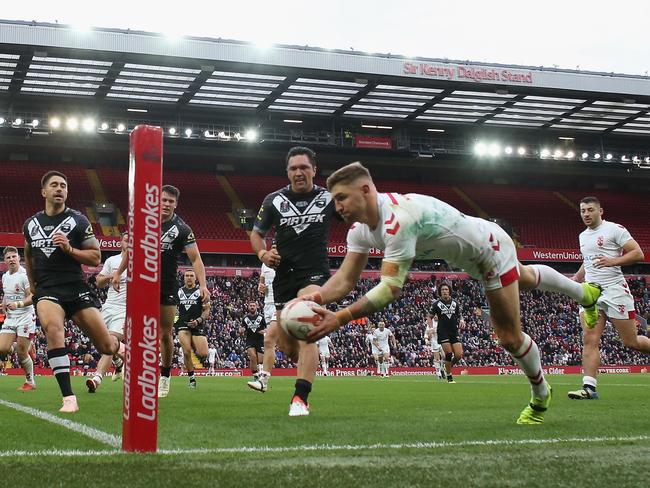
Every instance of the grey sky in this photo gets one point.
(593, 35)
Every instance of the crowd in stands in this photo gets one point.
(549, 318)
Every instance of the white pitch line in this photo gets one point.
(98, 435)
(344, 447)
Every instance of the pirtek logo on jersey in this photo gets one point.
(303, 219)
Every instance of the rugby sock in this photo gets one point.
(589, 383)
(60, 364)
(28, 366)
(386, 368)
(303, 388)
(527, 357)
(550, 280)
(165, 371)
(191, 376)
(450, 377)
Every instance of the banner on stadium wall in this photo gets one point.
(477, 74)
(372, 142)
(349, 372)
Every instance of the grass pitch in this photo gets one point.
(366, 431)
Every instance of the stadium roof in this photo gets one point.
(118, 67)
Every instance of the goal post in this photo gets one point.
(141, 331)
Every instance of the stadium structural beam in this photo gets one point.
(419, 111)
(566, 114)
(20, 73)
(631, 118)
(501, 108)
(275, 93)
(110, 77)
(195, 86)
(370, 86)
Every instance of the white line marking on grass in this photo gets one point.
(98, 435)
(343, 447)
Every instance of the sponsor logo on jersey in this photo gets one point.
(42, 238)
(301, 204)
(447, 310)
(168, 237)
(253, 325)
(188, 300)
(299, 219)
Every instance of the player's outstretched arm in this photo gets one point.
(343, 281)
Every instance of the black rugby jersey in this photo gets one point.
(302, 222)
(253, 324)
(190, 306)
(448, 313)
(50, 265)
(176, 235)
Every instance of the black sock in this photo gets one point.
(303, 387)
(589, 387)
(191, 375)
(450, 377)
(60, 364)
(166, 371)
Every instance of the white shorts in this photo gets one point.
(22, 326)
(616, 302)
(212, 360)
(495, 261)
(435, 347)
(114, 319)
(324, 352)
(269, 313)
(380, 351)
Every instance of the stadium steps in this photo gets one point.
(100, 197)
(479, 211)
(237, 202)
(566, 200)
(196, 362)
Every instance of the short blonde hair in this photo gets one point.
(347, 174)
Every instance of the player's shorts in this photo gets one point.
(447, 334)
(169, 294)
(325, 352)
(195, 331)
(494, 261)
(289, 282)
(380, 351)
(114, 318)
(435, 346)
(616, 302)
(256, 341)
(71, 297)
(212, 360)
(270, 312)
(23, 325)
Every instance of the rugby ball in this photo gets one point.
(297, 318)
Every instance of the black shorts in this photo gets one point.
(256, 341)
(72, 297)
(195, 331)
(169, 294)
(288, 282)
(448, 334)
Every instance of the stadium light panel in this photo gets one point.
(207, 134)
(17, 122)
(521, 151)
(597, 156)
(545, 153)
(508, 150)
(172, 131)
(647, 159)
(88, 125)
(624, 158)
(121, 127)
(570, 155)
(55, 122)
(608, 156)
(292, 121)
(494, 149)
(35, 123)
(251, 135)
(480, 149)
(2, 120)
(558, 153)
(384, 127)
(72, 123)
(104, 126)
(435, 130)
(188, 132)
(584, 155)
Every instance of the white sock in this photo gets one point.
(527, 357)
(28, 366)
(378, 368)
(387, 368)
(590, 380)
(550, 280)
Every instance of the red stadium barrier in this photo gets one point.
(140, 412)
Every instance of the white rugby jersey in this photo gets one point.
(423, 227)
(433, 330)
(15, 286)
(212, 354)
(269, 276)
(382, 337)
(324, 344)
(607, 239)
(114, 298)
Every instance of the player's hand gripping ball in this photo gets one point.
(297, 318)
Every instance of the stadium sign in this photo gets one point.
(475, 74)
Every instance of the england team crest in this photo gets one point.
(600, 241)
